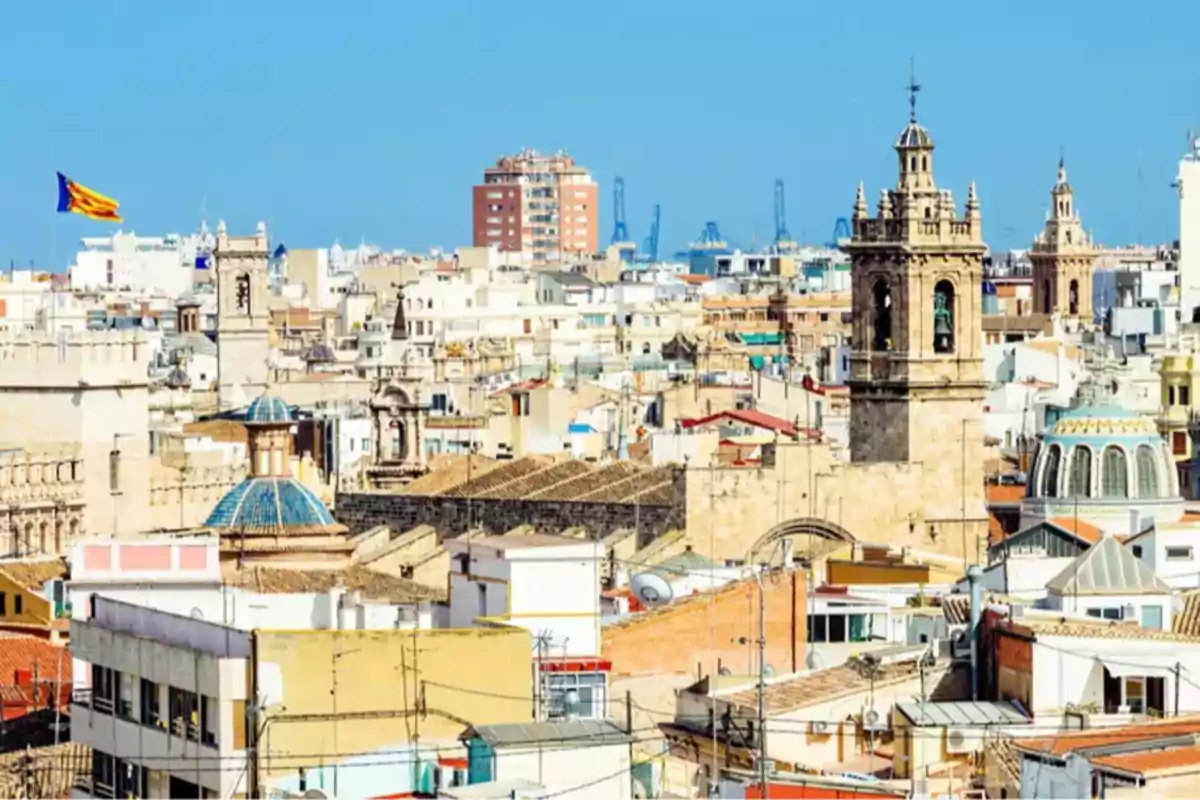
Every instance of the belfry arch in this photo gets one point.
(798, 528)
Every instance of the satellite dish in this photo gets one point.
(197, 613)
(651, 589)
(726, 671)
(768, 671)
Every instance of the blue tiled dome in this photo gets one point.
(268, 409)
(271, 505)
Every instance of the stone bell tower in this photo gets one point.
(243, 315)
(916, 369)
(1063, 259)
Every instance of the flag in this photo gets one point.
(74, 198)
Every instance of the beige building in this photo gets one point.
(1063, 259)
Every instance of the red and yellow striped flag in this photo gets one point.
(75, 198)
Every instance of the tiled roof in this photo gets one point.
(1005, 493)
(219, 430)
(448, 471)
(1086, 531)
(44, 771)
(746, 416)
(34, 574)
(21, 652)
(957, 609)
(1187, 621)
(1108, 568)
(1182, 759)
(268, 409)
(1001, 750)
(1101, 629)
(272, 505)
(822, 686)
(373, 585)
(1084, 740)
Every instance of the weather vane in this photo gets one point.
(913, 87)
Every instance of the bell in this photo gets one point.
(941, 326)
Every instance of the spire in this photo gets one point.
(913, 87)
(860, 203)
(1062, 167)
(399, 325)
(972, 203)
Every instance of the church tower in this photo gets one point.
(243, 316)
(916, 368)
(1063, 258)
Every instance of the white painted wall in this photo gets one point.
(559, 770)
(1081, 604)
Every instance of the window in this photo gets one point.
(132, 780)
(151, 704)
(482, 599)
(1184, 396)
(1170, 395)
(1106, 613)
(1137, 551)
(103, 774)
(185, 714)
(437, 402)
(18, 603)
(578, 694)
(1135, 695)
(1179, 554)
(1073, 298)
(1179, 442)
(124, 684)
(1050, 471)
(103, 688)
(3, 604)
(1081, 472)
(1147, 472)
(1115, 474)
(209, 719)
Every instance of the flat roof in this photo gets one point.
(965, 712)
(583, 732)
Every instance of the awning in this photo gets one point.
(1131, 669)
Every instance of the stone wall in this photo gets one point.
(449, 515)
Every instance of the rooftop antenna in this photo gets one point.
(913, 87)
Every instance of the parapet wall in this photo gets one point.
(84, 359)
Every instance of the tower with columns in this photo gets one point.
(243, 314)
(1063, 259)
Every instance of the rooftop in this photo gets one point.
(1085, 740)
(1154, 762)
(33, 654)
(1100, 629)
(1187, 621)
(962, 713)
(582, 732)
(373, 585)
(1108, 568)
(34, 574)
(812, 688)
(1082, 530)
(272, 505)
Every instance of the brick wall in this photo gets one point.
(705, 629)
(361, 511)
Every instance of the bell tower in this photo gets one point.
(916, 368)
(1063, 259)
(243, 315)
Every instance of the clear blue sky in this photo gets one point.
(372, 119)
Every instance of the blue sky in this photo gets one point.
(371, 119)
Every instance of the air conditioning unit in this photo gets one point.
(818, 727)
(961, 740)
(962, 644)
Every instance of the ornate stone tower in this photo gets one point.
(243, 318)
(1063, 258)
(916, 369)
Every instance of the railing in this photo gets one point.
(82, 696)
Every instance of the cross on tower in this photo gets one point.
(913, 87)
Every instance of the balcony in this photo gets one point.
(448, 422)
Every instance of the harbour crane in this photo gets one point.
(783, 239)
(620, 230)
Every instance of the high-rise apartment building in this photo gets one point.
(544, 207)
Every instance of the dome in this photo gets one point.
(1107, 465)
(268, 409)
(320, 353)
(278, 505)
(914, 136)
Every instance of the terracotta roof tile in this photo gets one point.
(33, 574)
(1187, 621)
(1084, 740)
(22, 653)
(1100, 629)
(1005, 493)
(1175, 759)
(373, 585)
(1084, 530)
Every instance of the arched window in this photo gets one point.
(881, 295)
(1073, 295)
(1046, 296)
(1081, 472)
(1147, 472)
(913, 164)
(1050, 471)
(943, 317)
(924, 163)
(1114, 473)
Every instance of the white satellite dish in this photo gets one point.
(197, 613)
(651, 589)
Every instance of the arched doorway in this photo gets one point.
(1047, 304)
(1073, 301)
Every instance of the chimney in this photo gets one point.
(975, 582)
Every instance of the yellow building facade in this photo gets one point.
(1179, 380)
(361, 713)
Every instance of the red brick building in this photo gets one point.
(545, 207)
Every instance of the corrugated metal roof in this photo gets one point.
(1107, 568)
(940, 715)
(584, 732)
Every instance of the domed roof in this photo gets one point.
(320, 353)
(914, 136)
(1102, 421)
(267, 410)
(271, 505)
